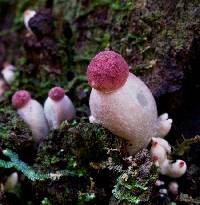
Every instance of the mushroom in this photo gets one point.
(58, 107)
(8, 72)
(32, 113)
(122, 103)
(173, 188)
(11, 182)
(162, 142)
(158, 153)
(173, 169)
(28, 14)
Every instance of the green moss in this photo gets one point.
(45, 201)
(13, 130)
(15, 135)
(134, 185)
(84, 149)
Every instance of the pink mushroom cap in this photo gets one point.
(20, 98)
(56, 93)
(181, 163)
(107, 71)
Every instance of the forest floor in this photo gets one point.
(81, 163)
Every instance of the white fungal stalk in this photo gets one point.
(166, 146)
(8, 73)
(28, 14)
(11, 182)
(173, 187)
(158, 153)
(58, 108)
(173, 169)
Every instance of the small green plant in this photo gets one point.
(46, 201)
(29, 172)
(85, 197)
(184, 147)
(134, 185)
(126, 188)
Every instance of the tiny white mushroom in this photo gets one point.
(28, 14)
(158, 153)
(11, 182)
(32, 113)
(173, 187)
(163, 191)
(163, 143)
(173, 169)
(164, 125)
(8, 72)
(58, 108)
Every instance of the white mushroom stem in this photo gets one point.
(8, 73)
(158, 153)
(163, 143)
(33, 114)
(173, 170)
(173, 187)
(159, 183)
(28, 14)
(159, 150)
(58, 111)
(11, 182)
(163, 125)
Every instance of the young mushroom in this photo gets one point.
(159, 150)
(122, 103)
(158, 153)
(173, 169)
(28, 14)
(162, 142)
(32, 113)
(173, 188)
(58, 107)
(8, 72)
(11, 182)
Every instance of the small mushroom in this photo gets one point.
(58, 107)
(158, 153)
(32, 113)
(8, 72)
(161, 142)
(28, 14)
(11, 182)
(173, 188)
(173, 169)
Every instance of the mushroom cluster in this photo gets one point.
(57, 108)
(160, 150)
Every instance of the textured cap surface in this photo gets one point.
(20, 98)
(107, 71)
(56, 93)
